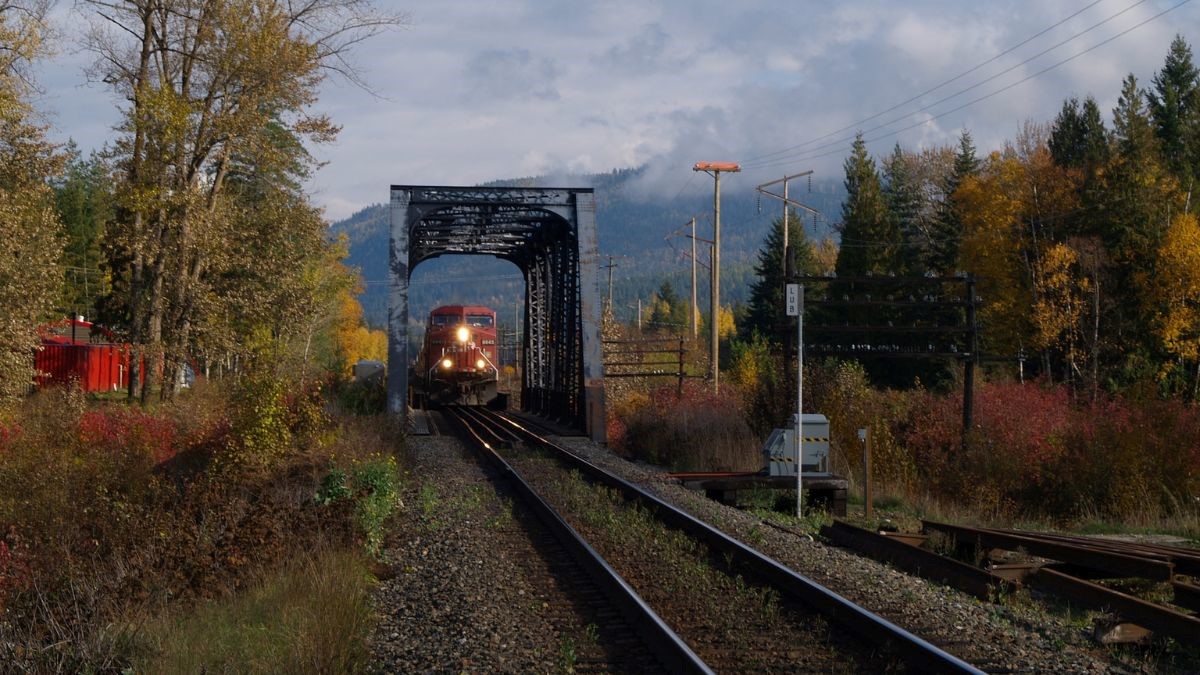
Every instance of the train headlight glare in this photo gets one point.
(480, 363)
(464, 334)
(446, 363)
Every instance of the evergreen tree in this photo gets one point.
(765, 313)
(1078, 139)
(669, 312)
(1066, 134)
(1095, 136)
(1175, 108)
(84, 197)
(946, 233)
(870, 237)
(1133, 130)
(904, 199)
(1136, 201)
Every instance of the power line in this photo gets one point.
(931, 89)
(806, 156)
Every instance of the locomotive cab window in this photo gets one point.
(443, 319)
(484, 320)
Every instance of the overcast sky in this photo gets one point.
(475, 90)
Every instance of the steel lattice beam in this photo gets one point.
(550, 234)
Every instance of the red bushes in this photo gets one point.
(14, 567)
(120, 510)
(698, 431)
(8, 436)
(1035, 452)
(129, 430)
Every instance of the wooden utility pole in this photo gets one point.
(714, 169)
(786, 202)
(610, 267)
(695, 319)
(695, 261)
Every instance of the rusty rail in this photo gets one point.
(918, 562)
(1117, 564)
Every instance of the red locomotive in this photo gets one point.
(458, 362)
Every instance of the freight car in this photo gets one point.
(458, 363)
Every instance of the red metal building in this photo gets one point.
(78, 350)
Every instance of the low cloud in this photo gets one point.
(505, 74)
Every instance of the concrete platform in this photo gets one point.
(418, 422)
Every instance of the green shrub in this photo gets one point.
(374, 487)
(367, 397)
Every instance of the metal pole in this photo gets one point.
(639, 315)
(869, 510)
(800, 408)
(610, 269)
(679, 388)
(695, 318)
(969, 366)
(714, 348)
(787, 341)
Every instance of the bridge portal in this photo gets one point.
(550, 234)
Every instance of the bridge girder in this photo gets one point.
(550, 234)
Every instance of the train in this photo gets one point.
(458, 364)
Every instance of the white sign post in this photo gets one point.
(795, 307)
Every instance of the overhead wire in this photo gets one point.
(931, 118)
(931, 89)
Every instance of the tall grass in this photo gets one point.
(698, 431)
(313, 616)
(110, 514)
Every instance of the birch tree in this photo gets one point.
(30, 232)
(214, 90)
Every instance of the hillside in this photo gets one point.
(629, 224)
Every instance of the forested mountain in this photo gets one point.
(630, 224)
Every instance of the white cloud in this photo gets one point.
(477, 90)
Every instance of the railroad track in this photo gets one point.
(1061, 566)
(554, 609)
(808, 630)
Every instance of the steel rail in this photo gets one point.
(918, 653)
(1117, 564)
(671, 650)
(1186, 561)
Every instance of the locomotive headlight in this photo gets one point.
(480, 363)
(446, 363)
(463, 334)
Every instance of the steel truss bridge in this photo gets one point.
(550, 234)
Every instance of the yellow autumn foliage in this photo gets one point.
(355, 340)
(1178, 288)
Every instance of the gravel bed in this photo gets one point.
(733, 625)
(471, 589)
(995, 638)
